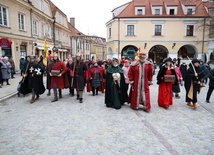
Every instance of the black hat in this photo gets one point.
(168, 59)
(195, 60)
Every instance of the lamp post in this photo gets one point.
(103, 52)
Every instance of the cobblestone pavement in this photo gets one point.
(67, 127)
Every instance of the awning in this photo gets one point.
(42, 48)
(62, 50)
(4, 42)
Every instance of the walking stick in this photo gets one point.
(73, 74)
(25, 72)
(192, 66)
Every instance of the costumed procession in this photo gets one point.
(121, 82)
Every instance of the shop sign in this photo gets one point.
(5, 42)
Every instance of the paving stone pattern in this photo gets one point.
(68, 127)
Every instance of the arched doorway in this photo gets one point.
(188, 50)
(109, 53)
(157, 53)
(129, 51)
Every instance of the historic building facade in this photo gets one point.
(160, 28)
(23, 26)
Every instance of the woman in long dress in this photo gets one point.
(165, 88)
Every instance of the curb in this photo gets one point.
(8, 96)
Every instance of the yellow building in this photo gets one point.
(161, 28)
(25, 24)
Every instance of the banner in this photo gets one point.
(137, 54)
(45, 53)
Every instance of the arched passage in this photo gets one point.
(129, 51)
(157, 53)
(188, 50)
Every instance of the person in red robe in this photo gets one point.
(57, 70)
(140, 76)
(165, 93)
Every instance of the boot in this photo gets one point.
(78, 97)
(194, 106)
(55, 97)
(37, 97)
(80, 100)
(49, 92)
(32, 100)
(60, 93)
(189, 104)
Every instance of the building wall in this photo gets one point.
(174, 31)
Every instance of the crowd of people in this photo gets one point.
(7, 70)
(122, 80)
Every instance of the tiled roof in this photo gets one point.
(171, 2)
(209, 5)
(139, 3)
(156, 2)
(129, 11)
(74, 31)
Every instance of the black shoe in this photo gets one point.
(96, 93)
(80, 100)
(207, 101)
(8, 84)
(48, 94)
(77, 97)
(54, 100)
(93, 94)
(37, 97)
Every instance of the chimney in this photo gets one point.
(72, 21)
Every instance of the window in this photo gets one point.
(56, 34)
(139, 11)
(41, 5)
(189, 11)
(157, 11)
(3, 16)
(190, 30)
(172, 11)
(23, 51)
(158, 30)
(21, 20)
(109, 32)
(43, 30)
(130, 30)
(49, 32)
(35, 27)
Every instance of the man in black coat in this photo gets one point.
(193, 80)
(35, 73)
(79, 67)
(211, 86)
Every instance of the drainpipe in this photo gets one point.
(54, 37)
(203, 55)
(31, 29)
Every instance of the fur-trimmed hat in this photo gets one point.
(142, 54)
(115, 59)
(55, 54)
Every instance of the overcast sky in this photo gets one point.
(90, 15)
